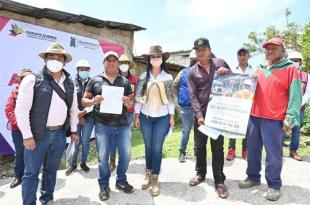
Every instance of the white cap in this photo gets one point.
(295, 55)
(110, 53)
(82, 63)
(192, 54)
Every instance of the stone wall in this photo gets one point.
(126, 38)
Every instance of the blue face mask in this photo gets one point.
(84, 74)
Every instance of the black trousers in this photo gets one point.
(232, 143)
(217, 148)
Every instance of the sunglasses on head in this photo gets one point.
(155, 56)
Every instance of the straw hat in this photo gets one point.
(125, 58)
(56, 48)
(157, 50)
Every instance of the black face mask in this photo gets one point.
(192, 62)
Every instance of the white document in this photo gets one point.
(70, 150)
(209, 131)
(112, 99)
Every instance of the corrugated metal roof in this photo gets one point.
(170, 66)
(64, 16)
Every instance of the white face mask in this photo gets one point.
(296, 64)
(124, 68)
(54, 66)
(156, 62)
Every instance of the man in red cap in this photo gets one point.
(275, 109)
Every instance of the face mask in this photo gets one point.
(84, 74)
(156, 62)
(124, 68)
(54, 66)
(296, 64)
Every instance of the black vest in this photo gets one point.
(80, 90)
(42, 97)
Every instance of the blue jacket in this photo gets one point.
(183, 92)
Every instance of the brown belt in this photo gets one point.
(58, 127)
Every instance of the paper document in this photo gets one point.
(70, 150)
(112, 99)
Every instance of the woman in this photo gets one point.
(16, 133)
(154, 113)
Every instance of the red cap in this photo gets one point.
(274, 41)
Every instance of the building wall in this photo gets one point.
(103, 34)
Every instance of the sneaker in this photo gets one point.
(244, 154)
(84, 167)
(295, 155)
(125, 187)
(221, 190)
(231, 154)
(15, 183)
(71, 169)
(182, 156)
(273, 194)
(104, 193)
(247, 183)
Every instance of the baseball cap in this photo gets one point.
(201, 42)
(274, 41)
(110, 53)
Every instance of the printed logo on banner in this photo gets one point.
(41, 36)
(77, 43)
(72, 42)
(16, 30)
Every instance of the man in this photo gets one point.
(199, 83)
(243, 68)
(181, 89)
(86, 122)
(46, 109)
(275, 109)
(125, 66)
(110, 127)
(297, 58)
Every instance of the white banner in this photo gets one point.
(20, 44)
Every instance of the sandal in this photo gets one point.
(196, 180)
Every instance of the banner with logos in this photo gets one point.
(229, 106)
(20, 44)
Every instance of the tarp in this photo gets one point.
(20, 44)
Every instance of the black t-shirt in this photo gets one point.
(94, 86)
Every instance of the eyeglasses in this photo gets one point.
(155, 56)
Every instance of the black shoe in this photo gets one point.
(104, 193)
(84, 167)
(71, 169)
(182, 156)
(125, 187)
(15, 183)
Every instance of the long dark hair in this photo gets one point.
(148, 73)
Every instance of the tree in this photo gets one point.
(296, 38)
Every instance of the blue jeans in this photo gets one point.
(267, 133)
(104, 135)
(154, 131)
(130, 116)
(187, 116)
(48, 153)
(296, 133)
(19, 165)
(84, 131)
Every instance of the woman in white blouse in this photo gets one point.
(154, 113)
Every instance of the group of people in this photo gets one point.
(48, 106)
